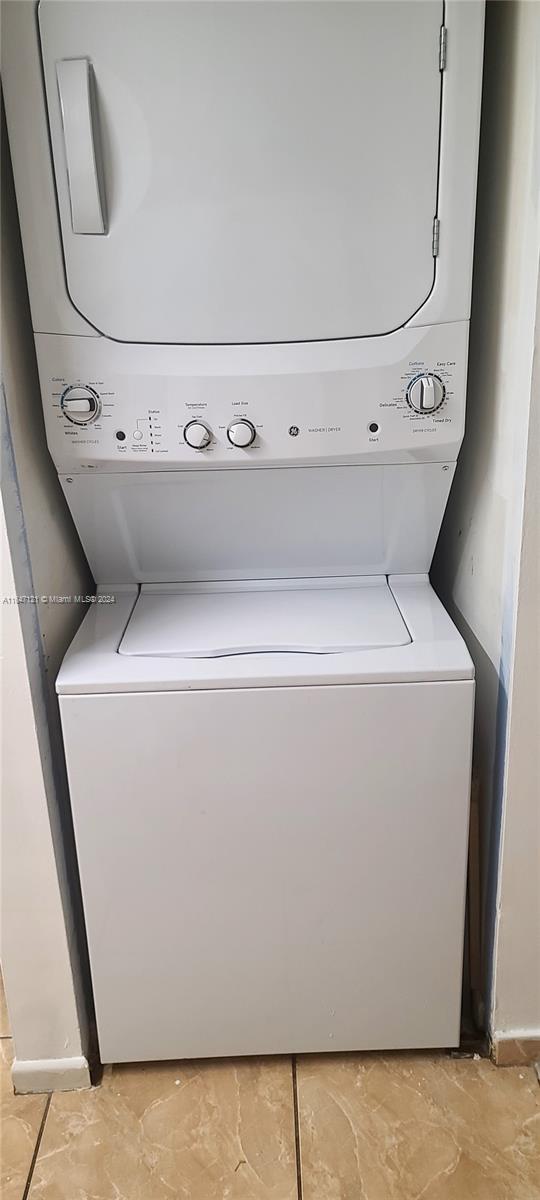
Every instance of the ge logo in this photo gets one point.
(294, 430)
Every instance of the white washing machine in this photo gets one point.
(248, 233)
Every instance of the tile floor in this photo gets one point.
(332, 1127)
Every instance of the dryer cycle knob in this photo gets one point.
(426, 393)
(197, 435)
(241, 433)
(81, 405)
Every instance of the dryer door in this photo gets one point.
(244, 172)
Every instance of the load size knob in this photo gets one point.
(81, 405)
(241, 433)
(426, 393)
(197, 435)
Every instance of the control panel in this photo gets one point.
(116, 407)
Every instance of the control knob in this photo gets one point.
(426, 393)
(81, 405)
(241, 433)
(197, 435)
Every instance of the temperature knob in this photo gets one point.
(197, 435)
(426, 393)
(80, 405)
(241, 433)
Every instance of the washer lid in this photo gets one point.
(234, 172)
(306, 616)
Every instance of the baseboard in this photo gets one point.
(515, 1047)
(50, 1075)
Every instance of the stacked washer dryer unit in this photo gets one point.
(248, 232)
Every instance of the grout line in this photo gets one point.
(36, 1147)
(296, 1131)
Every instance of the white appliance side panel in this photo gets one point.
(191, 525)
(274, 870)
(269, 170)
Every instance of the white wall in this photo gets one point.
(57, 561)
(516, 994)
(34, 947)
(43, 940)
(481, 551)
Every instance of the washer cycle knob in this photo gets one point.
(81, 405)
(197, 435)
(241, 433)
(426, 393)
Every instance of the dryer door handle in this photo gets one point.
(75, 89)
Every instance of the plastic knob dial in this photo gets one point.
(197, 435)
(426, 393)
(80, 405)
(241, 433)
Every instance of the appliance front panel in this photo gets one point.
(167, 526)
(245, 172)
(272, 870)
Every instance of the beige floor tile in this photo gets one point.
(4, 1019)
(516, 1052)
(414, 1127)
(20, 1118)
(203, 1131)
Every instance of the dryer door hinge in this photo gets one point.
(442, 47)
(435, 241)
